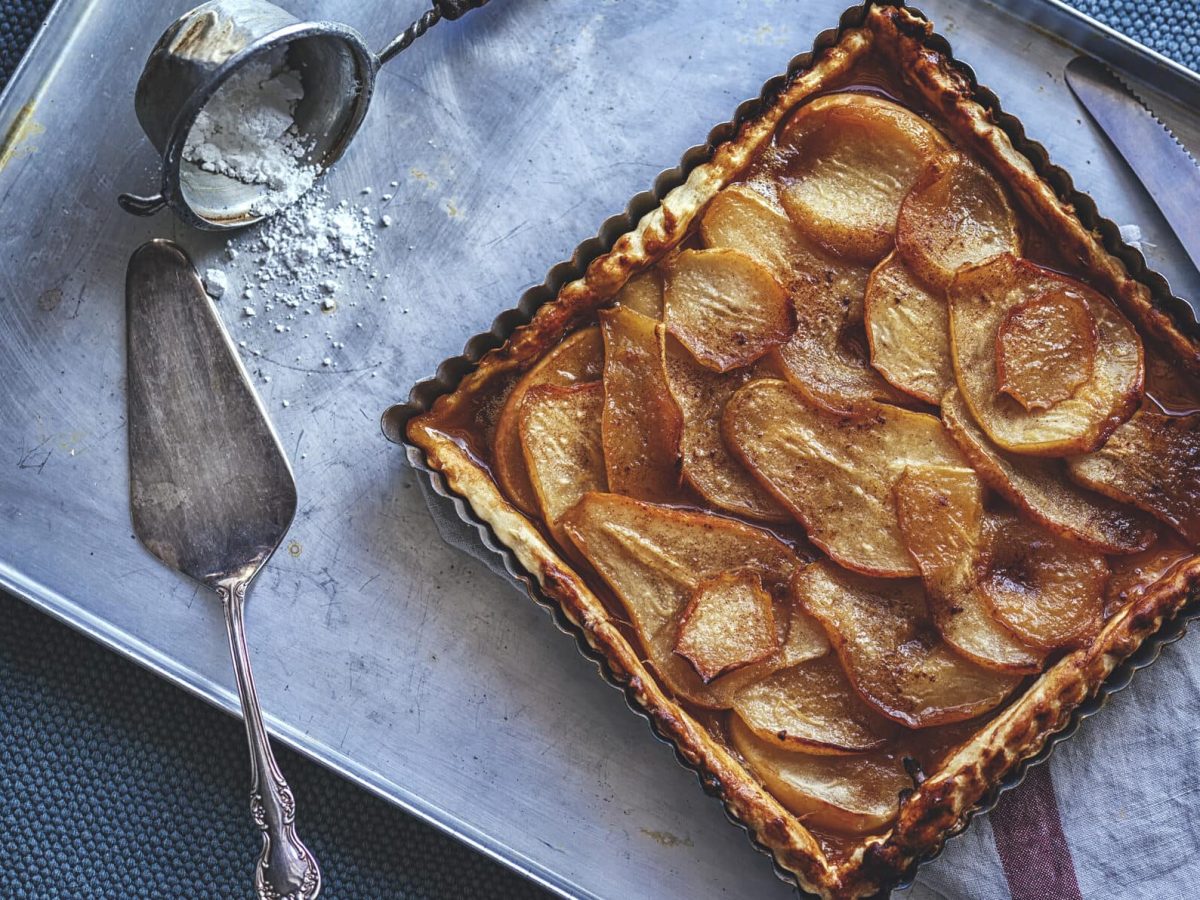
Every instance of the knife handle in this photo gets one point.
(286, 869)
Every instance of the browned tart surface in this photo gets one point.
(860, 460)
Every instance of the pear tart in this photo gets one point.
(858, 487)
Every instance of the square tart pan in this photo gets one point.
(1051, 707)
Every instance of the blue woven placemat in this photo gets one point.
(19, 20)
(1172, 27)
(116, 784)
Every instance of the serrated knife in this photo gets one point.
(1163, 165)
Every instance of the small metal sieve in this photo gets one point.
(206, 46)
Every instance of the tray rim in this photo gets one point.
(57, 21)
(1107, 44)
(24, 85)
(451, 371)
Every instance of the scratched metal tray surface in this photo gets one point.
(381, 651)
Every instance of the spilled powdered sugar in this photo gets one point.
(300, 250)
(215, 283)
(247, 132)
(1132, 235)
(312, 258)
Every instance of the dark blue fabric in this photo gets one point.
(1172, 27)
(114, 784)
(19, 20)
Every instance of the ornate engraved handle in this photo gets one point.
(286, 869)
(442, 9)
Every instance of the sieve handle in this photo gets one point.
(142, 206)
(442, 9)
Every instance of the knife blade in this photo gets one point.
(1162, 164)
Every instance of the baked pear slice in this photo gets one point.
(896, 660)
(1045, 350)
(655, 557)
(701, 395)
(1042, 489)
(847, 794)
(643, 293)
(1153, 463)
(578, 359)
(728, 623)
(827, 356)
(1049, 592)
(941, 517)
(834, 472)
(641, 425)
(956, 215)
(560, 436)
(798, 639)
(811, 707)
(851, 159)
(727, 309)
(908, 331)
(740, 218)
(990, 305)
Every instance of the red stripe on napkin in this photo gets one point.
(1030, 841)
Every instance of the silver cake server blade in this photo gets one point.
(1161, 163)
(212, 496)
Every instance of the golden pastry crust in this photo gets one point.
(941, 803)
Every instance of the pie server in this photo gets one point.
(212, 496)
(1162, 164)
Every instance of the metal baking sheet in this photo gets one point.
(381, 651)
